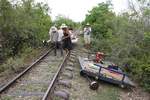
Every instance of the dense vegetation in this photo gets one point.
(60, 19)
(125, 37)
(23, 24)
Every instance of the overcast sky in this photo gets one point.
(77, 9)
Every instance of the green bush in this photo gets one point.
(62, 19)
(12, 64)
(125, 38)
(20, 61)
(24, 23)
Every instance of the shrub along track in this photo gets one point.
(19, 63)
(68, 84)
(33, 84)
(80, 86)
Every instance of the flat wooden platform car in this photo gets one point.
(74, 40)
(104, 71)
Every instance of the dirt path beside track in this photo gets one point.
(80, 86)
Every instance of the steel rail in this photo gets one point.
(49, 90)
(6, 86)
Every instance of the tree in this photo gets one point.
(60, 19)
(22, 24)
(100, 18)
(125, 37)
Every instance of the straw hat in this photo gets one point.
(63, 26)
(87, 24)
(53, 28)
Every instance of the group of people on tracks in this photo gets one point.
(61, 38)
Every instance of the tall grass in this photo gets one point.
(20, 61)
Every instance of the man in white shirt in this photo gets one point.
(87, 35)
(54, 38)
(60, 36)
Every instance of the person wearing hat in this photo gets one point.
(60, 36)
(63, 26)
(54, 38)
(87, 34)
(67, 44)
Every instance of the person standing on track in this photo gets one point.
(67, 44)
(60, 43)
(54, 38)
(87, 35)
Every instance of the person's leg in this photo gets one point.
(69, 51)
(55, 47)
(66, 50)
(84, 40)
(88, 41)
(61, 48)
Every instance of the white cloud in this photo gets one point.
(120, 5)
(77, 9)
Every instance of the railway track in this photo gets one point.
(40, 79)
(7, 85)
(61, 83)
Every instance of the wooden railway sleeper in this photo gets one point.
(64, 94)
(69, 75)
(66, 83)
